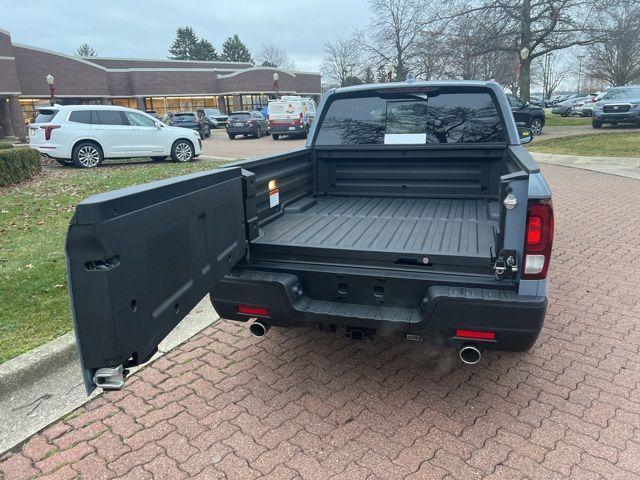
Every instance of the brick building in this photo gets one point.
(162, 85)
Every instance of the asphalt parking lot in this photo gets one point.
(219, 145)
(300, 403)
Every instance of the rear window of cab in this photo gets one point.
(412, 118)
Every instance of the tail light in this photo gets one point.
(48, 129)
(538, 240)
(253, 311)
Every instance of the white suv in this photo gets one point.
(84, 135)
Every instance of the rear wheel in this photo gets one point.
(182, 151)
(259, 133)
(87, 155)
(536, 126)
(596, 124)
(232, 136)
(275, 136)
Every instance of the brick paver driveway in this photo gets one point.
(300, 403)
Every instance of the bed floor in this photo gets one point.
(401, 226)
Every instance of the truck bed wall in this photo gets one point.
(426, 173)
(471, 173)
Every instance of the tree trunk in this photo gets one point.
(524, 80)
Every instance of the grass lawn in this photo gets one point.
(554, 120)
(615, 144)
(34, 303)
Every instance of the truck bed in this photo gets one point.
(398, 230)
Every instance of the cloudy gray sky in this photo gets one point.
(145, 28)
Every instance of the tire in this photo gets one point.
(158, 159)
(64, 162)
(275, 136)
(208, 134)
(232, 136)
(182, 151)
(245, 135)
(305, 133)
(536, 127)
(87, 155)
(596, 124)
(259, 133)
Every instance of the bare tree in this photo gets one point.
(616, 60)
(272, 56)
(530, 29)
(549, 72)
(341, 61)
(392, 36)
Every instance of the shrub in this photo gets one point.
(18, 164)
(4, 146)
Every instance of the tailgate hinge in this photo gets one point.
(109, 378)
(505, 265)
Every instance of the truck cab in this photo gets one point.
(413, 210)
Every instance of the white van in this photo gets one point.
(291, 115)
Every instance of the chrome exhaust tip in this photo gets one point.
(258, 329)
(470, 354)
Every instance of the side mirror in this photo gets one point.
(526, 104)
(525, 134)
(159, 125)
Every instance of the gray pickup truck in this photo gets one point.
(412, 210)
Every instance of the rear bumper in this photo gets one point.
(53, 151)
(516, 320)
(248, 130)
(286, 129)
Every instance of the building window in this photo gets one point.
(125, 102)
(228, 101)
(163, 105)
(253, 102)
(29, 106)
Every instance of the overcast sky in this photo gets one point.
(145, 28)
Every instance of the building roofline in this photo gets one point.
(165, 60)
(252, 69)
(70, 57)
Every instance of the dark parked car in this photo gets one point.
(247, 123)
(619, 105)
(523, 112)
(193, 121)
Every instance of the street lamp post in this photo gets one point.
(276, 77)
(580, 57)
(52, 88)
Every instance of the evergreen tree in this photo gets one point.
(203, 50)
(184, 44)
(85, 50)
(233, 50)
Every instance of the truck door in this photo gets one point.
(139, 259)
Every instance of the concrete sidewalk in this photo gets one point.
(43, 385)
(621, 166)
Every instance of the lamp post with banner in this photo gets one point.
(52, 89)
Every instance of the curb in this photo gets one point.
(29, 366)
(39, 387)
